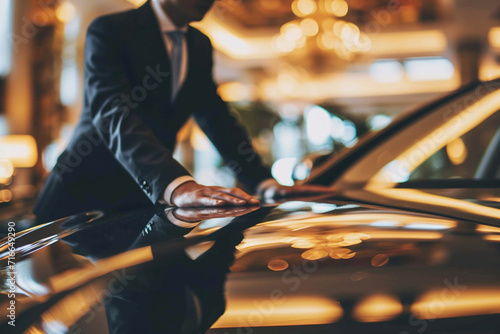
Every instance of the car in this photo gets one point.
(431, 158)
(401, 247)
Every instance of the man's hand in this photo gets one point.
(192, 194)
(197, 214)
(271, 189)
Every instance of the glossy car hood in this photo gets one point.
(300, 266)
(473, 204)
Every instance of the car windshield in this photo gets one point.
(459, 140)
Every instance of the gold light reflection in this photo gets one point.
(277, 265)
(413, 195)
(457, 151)
(5, 195)
(75, 277)
(489, 198)
(339, 253)
(380, 260)
(336, 243)
(459, 302)
(406, 235)
(492, 237)
(20, 150)
(487, 229)
(304, 243)
(137, 3)
(6, 171)
(289, 311)
(314, 254)
(377, 308)
(494, 37)
(453, 128)
(66, 312)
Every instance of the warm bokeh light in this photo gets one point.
(277, 265)
(376, 308)
(303, 7)
(494, 37)
(314, 254)
(408, 42)
(6, 170)
(236, 91)
(289, 311)
(20, 150)
(339, 8)
(309, 27)
(463, 301)
(5, 196)
(66, 11)
(380, 260)
(200, 141)
(457, 151)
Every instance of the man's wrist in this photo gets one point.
(167, 194)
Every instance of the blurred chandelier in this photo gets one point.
(319, 25)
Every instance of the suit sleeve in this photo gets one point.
(226, 133)
(117, 118)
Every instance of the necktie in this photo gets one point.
(176, 38)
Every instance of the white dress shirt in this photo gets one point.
(166, 25)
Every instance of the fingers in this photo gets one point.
(197, 214)
(232, 200)
(201, 201)
(202, 196)
(236, 192)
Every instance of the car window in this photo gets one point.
(462, 156)
(460, 139)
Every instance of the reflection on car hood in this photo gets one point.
(300, 266)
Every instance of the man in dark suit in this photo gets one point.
(146, 73)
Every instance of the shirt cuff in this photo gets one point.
(167, 195)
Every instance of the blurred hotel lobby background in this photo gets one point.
(304, 76)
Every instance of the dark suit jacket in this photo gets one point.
(121, 151)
